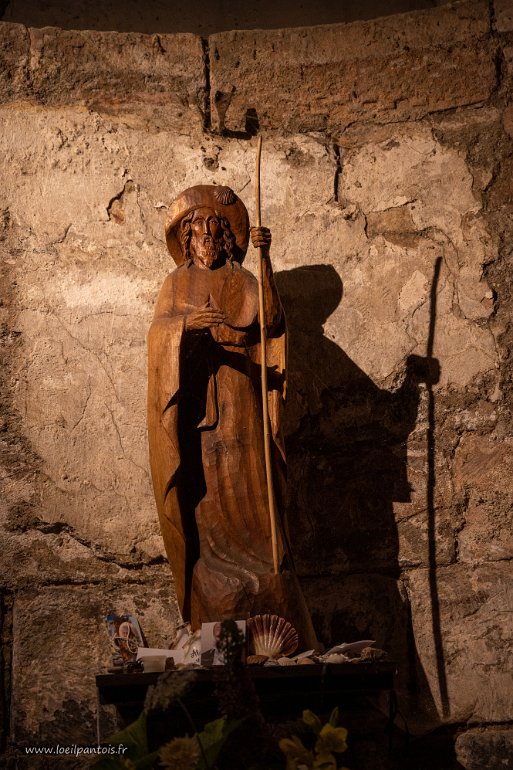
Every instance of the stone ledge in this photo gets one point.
(107, 71)
(315, 78)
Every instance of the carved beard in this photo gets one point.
(207, 250)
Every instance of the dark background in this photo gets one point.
(203, 17)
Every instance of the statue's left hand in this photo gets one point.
(261, 237)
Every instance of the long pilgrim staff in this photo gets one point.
(263, 365)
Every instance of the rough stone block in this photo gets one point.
(483, 469)
(159, 79)
(503, 15)
(507, 120)
(14, 45)
(429, 522)
(318, 78)
(490, 749)
(462, 628)
(501, 190)
(60, 643)
(415, 531)
(508, 59)
(65, 558)
(414, 220)
(391, 221)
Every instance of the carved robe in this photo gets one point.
(206, 442)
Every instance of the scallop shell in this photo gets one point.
(272, 636)
(225, 195)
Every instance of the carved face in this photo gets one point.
(206, 242)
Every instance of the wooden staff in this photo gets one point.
(263, 365)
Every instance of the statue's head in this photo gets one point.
(207, 224)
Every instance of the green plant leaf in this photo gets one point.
(334, 717)
(312, 720)
(134, 738)
(212, 739)
(147, 762)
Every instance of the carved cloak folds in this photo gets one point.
(206, 444)
(205, 433)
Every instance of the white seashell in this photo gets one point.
(272, 636)
(307, 654)
(335, 657)
(286, 662)
(351, 647)
(306, 662)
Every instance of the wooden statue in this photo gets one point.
(205, 417)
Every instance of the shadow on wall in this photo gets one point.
(347, 465)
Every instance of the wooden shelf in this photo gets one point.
(284, 691)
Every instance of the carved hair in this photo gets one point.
(184, 236)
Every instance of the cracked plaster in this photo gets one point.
(87, 302)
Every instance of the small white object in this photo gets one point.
(210, 634)
(155, 663)
(186, 652)
(334, 657)
(302, 655)
(151, 652)
(190, 649)
(355, 647)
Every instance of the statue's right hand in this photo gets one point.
(204, 318)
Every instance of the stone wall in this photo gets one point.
(387, 182)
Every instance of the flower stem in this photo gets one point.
(195, 731)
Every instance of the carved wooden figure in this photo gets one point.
(205, 417)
